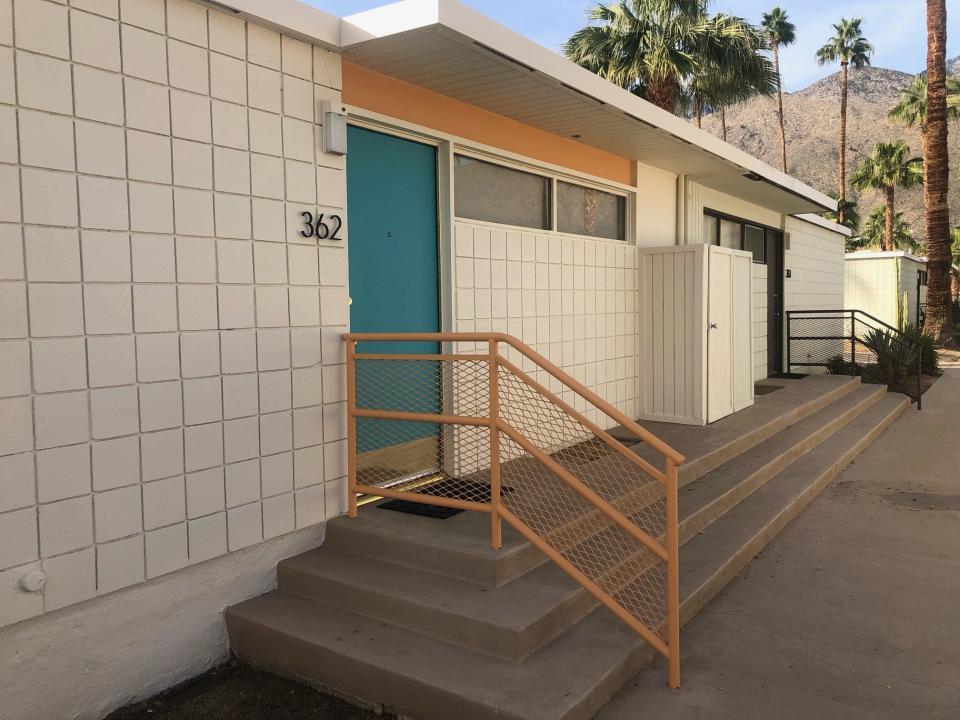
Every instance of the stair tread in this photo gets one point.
(723, 537)
(330, 640)
(718, 442)
(705, 489)
(508, 617)
(440, 591)
(431, 678)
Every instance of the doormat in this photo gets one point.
(452, 488)
(788, 376)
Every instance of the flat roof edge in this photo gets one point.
(824, 223)
(412, 14)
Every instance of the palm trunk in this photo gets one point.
(842, 213)
(723, 122)
(888, 216)
(939, 321)
(783, 131)
(699, 119)
(662, 93)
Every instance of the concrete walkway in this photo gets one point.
(853, 612)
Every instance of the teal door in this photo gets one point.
(394, 282)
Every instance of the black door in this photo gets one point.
(774, 255)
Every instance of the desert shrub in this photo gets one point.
(895, 358)
(838, 366)
(929, 359)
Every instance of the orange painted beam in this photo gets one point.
(401, 100)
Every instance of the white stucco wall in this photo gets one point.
(814, 258)
(656, 207)
(172, 383)
(871, 286)
(82, 662)
(883, 284)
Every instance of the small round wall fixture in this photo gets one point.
(33, 581)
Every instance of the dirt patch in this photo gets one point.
(923, 500)
(237, 692)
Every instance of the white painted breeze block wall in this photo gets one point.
(573, 300)
(172, 380)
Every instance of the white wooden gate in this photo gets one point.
(696, 333)
(729, 336)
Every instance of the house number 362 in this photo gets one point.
(320, 228)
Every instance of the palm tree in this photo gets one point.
(655, 47)
(874, 233)
(888, 167)
(720, 83)
(955, 250)
(939, 318)
(850, 47)
(911, 107)
(851, 213)
(780, 32)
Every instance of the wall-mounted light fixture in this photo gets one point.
(334, 129)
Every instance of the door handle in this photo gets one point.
(714, 326)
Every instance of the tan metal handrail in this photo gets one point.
(474, 431)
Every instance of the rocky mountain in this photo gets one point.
(813, 127)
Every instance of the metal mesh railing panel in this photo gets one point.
(815, 340)
(392, 451)
(573, 526)
(854, 343)
(561, 476)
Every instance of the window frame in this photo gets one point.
(743, 222)
(554, 176)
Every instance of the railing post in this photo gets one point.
(919, 377)
(496, 520)
(351, 429)
(789, 339)
(853, 341)
(673, 574)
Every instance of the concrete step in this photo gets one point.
(426, 679)
(705, 499)
(509, 622)
(459, 547)
(750, 526)
(456, 547)
(534, 608)
(716, 444)
(408, 672)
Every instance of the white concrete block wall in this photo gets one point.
(760, 301)
(571, 299)
(170, 369)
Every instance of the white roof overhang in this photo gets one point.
(452, 50)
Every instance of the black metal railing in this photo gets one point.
(852, 342)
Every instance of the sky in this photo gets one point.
(896, 28)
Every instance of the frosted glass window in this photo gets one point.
(730, 234)
(587, 211)
(754, 240)
(710, 229)
(494, 193)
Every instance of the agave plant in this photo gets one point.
(895, 357)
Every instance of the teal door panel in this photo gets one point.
(394, 278)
